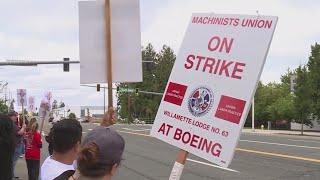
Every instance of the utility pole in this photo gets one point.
(129, 117)
(109, 51)
(104, 99)
(5, 98)
(302, 123)
(252, 114)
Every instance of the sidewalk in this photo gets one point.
(283, 132)
(21, 169)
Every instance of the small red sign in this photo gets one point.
(175, 93)
(230, 109)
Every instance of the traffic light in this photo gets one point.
(98, 87)
(137, 91)
(66, 66)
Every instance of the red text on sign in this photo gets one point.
(215, 20)
(216, 43)
(164, 130)
(232, 69)
(198, 142)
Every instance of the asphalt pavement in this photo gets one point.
(258, 156)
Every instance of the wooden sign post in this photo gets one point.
(21, 96)
(178, 165)
(22, 112)
(109, 51)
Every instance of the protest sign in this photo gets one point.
(22, 97)
(212, 83)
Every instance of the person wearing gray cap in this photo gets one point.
(100, 155)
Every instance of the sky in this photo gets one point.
(48, 30)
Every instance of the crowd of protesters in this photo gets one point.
(97, 157)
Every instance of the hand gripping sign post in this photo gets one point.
(22, 101)
(211, 85)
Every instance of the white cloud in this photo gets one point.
(16, 47)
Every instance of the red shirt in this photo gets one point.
(33, 145)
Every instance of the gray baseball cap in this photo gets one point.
(110, 143)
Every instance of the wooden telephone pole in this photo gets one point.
(109, 51)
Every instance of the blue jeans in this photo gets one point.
(17, 153)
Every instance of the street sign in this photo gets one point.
(126, 90)
(22, 97)
(125, 41)
(214, 78)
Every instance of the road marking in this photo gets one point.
(146, 135)
(249, 150)
(97, 124)
(279, 155)
(303, 140)
(212, 165)
(279, 144)
(136, 130)
(139, 130)
(84, 132)
(89, 129)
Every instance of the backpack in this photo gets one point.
(65, 175)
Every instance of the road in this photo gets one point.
(261, 157)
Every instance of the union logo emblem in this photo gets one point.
(200, 101)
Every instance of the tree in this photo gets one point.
(273, 102)
(282, 108)
(62, 105)
(302, 100)
(286, 80)
(155, 78)
(3, 107)
(11, 107)
(72, 116)
(55, 104)
(25, 111)
(314, 80)
(265, 98)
